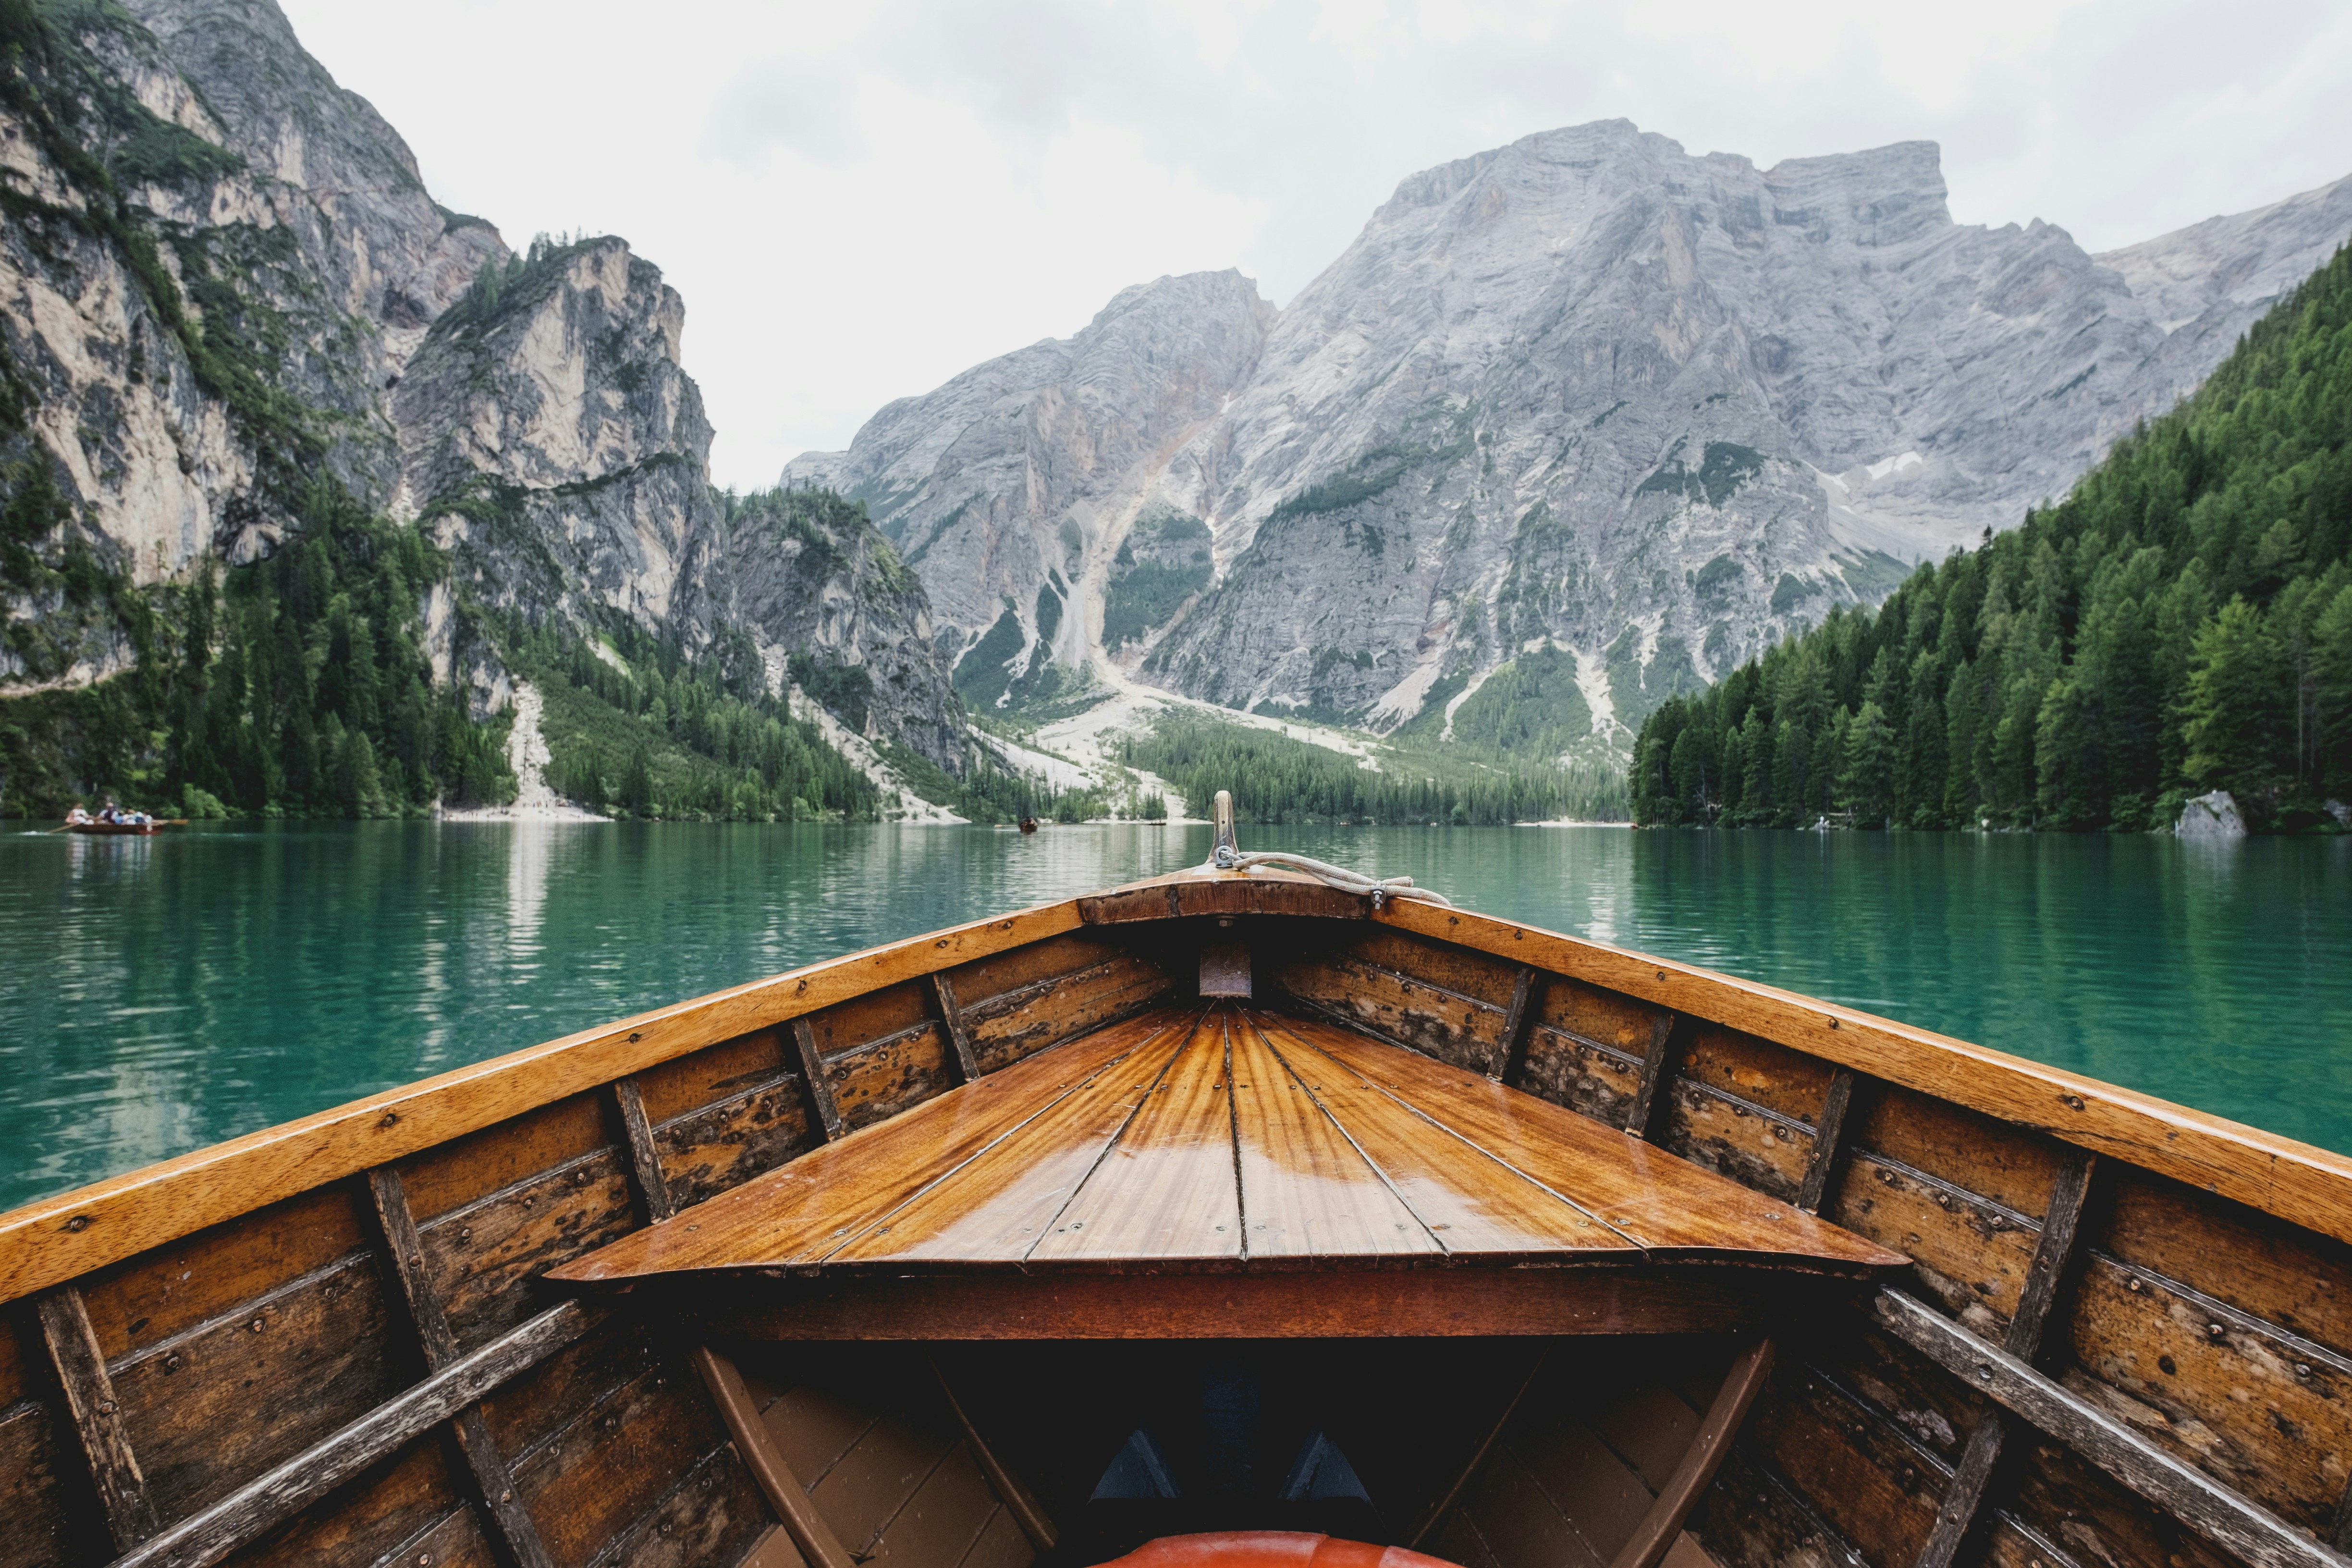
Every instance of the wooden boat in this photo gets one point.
(1228, 1201)
(117, 829)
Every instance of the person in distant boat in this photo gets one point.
(78, 817)
(109, 812)
(1028, 824)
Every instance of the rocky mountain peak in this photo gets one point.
(280, 325)
(1024, 473)
(1586, 394)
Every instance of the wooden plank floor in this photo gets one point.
(1227, 1137)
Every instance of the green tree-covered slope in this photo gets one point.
(1275, 779)
(2181, 622)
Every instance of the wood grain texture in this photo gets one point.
(1179, 896)
(644, 1156)
(1852, 1468)
(1001, 1205)
(1581, 1074)
(56, 1239)
(493, 1483)
(97, 1418)
(1828, 1139)
(2311, 1186)
(40, 1494)
(486, 1259)
(412, 1496)
(951, 1019)
(1704, 1454)
(1017, 1023)
(2240, 1527)
(1416, 1013)
(173, 1291)
(1416, 1304)
(588, 1484)
(1662, 1203)
(1734, 1137)
(1165, 1186)
(1658, 1063)
(1472, 1206)
(2258, 1409)
(224, 1401)
(1510, 1050)
(713, 1515)
(1306, 1187)
(213, 1533)
(785, 1494)
(805, 1211)
(718, 1147)
(816, 1080)
(1244, 1141)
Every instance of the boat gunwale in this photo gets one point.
(54, 1241)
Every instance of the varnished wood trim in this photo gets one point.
(821, 1104)
(57, 1239)
(644, 1158)
(2296, 1182)
(211, 1533)
(951, 1019)
(783, 1489)
(1402, 1303)
(510, 1520)
(2230, 1522)
(2054, 1255)
(1454, 1494)
(1026, 1511)
(1221, 895)
(1829, 1141)
(97, 1418)
(1511, 1046)
(1658, 1065)
(1696, 1469)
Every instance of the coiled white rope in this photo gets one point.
(1381, 889)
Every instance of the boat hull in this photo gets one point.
(256, 1348)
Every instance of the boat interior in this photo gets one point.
(1228, 1201)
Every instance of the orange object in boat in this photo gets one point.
(1269, 1548)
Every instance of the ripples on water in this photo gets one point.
(161, 993)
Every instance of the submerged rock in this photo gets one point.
(2214, 815)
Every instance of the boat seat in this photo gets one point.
(1223, 1170)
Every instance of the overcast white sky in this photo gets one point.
(860, 199)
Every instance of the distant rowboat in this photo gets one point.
(123, 829)
(1306, 1220)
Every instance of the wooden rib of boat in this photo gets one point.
(1227, 1201)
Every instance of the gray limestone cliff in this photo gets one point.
(1020, 478)
(214, 261)
(223, 280)
(1586, 396)
(555, 447)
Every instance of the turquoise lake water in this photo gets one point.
(159, 995)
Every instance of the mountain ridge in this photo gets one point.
(237, 329)
(1591, 393)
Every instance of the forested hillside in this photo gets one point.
(2181, 622)
(1275, 779)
